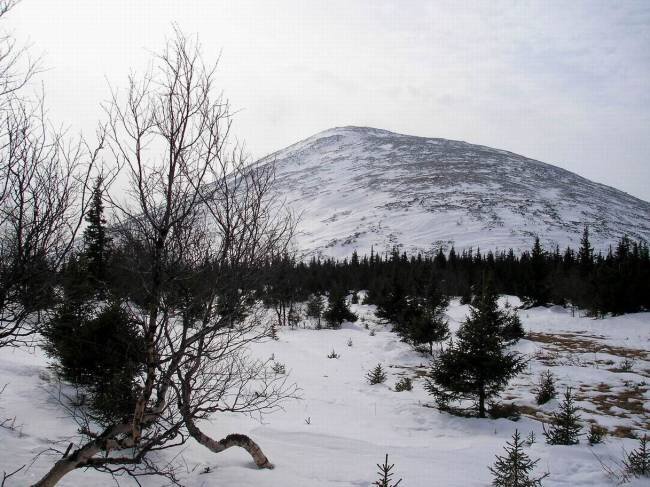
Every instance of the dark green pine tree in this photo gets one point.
(565, 424)
(96, 240)
(99, 350)
(515, 468)
(394, 306)
(426, 320)
(504, 322)
(537, 286)
(477, 364)
(545, 389)
(376, 376)
(337, 309)
(315, 308)
(585, 253)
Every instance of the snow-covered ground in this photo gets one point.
(343, 426)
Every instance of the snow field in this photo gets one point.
(342, 426)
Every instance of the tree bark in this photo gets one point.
(231, 440)
(481, 402)
(80, 457)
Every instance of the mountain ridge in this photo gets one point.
(359, 187)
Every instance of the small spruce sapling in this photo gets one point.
(404, 384)
(333, 355)
(596, 434)
(565, 424)
(531, 439)
(315, 308)
(376, 375)
(514, 469)
(637, 462)
(545, 389)
(385, 475)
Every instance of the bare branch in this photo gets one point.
(190, 233)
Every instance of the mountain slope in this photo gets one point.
(357, 187)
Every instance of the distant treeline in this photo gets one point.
(616, 282)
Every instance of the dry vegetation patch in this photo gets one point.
(578, 343)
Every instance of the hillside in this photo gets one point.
(358, 187)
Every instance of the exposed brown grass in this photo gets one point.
(417, 370)
(602, 387)
(570, 342)
(630, 400)
(623, 432)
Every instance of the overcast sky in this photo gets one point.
(567, 83)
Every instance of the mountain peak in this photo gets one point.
(352, 130)
(358, 187)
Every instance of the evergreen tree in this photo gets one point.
(637, 462)
(503, 322)
(596, 434)
(545, 389)
(565, 425)
(293, 318)
(229, 305)
(96, 240)
(395, 304)
(537, 287)
(476, 365)
(337, 309)
(515, 468)
(397, 284)
(315, 308)
(425, 320)
(281, 287)
(75, 281)
(404, 384)
(376, 375)
(385, 475)
(102, 353)
(586, 252)
(511, 328)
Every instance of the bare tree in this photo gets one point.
(43, 197)
(43, 185)
(197, 223)
(17, 66)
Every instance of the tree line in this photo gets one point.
(614, 282)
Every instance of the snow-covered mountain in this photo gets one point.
(355, 187)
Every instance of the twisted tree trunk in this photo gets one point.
(231, 440)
